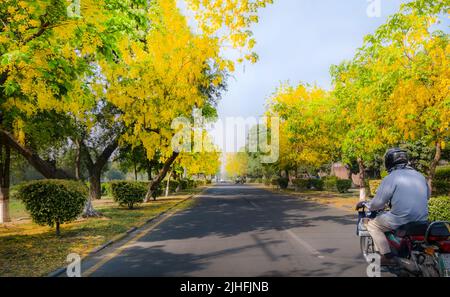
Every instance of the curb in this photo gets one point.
(120, 237)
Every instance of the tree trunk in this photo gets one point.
(362, 181)
(149, 172)
(5, 166)
(95, 186)
(168, 184)
(95, 171)
(135, 172)
(161, 175)
(78, 161)
(434, 164)
(58, 232)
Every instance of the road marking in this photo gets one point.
(120, 249)
(252, 204)
(303, 243)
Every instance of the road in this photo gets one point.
(241, 231)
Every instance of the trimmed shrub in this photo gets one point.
(267, 181)
(441, 187)
(183, 184)
(283, 182)
(330, 183)
(317, 184)
(343, 185)
(274, 182)
(374, 185)
(128, 193)
(53, 202)
(158, 192)
(106, 189)
(301, 184)
(443, 173)
(173, 185)
(439, 209)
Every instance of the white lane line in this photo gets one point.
(304, 244)
(254, 204)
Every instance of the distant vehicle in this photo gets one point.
(241, 180)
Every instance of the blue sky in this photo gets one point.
(298, 40)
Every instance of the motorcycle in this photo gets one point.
(422, 249)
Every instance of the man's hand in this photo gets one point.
(361, 205)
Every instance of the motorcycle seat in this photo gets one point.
(412, 229)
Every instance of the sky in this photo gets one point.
(298, 41)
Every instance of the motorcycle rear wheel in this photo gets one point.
(367, 247)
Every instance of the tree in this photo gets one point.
(309, 129)
(46, 57)
(236, 164)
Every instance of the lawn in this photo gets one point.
(27, 249)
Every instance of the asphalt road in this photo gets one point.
(241, 231)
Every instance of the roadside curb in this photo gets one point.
(128, 233)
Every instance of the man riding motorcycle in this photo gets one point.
(406, 192)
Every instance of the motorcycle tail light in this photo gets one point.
(444, 246)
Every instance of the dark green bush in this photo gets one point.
(334, 184)
(128, 193)
(173, 185)
(274, 182)
(443, 173)
(439, 209)
(53, 202)
(106, 189)
(441, 187)
(317, 184)
(183, 184)
(301, 184)
(343, 185)
(283, 182)
(159, 191)
(330, 183)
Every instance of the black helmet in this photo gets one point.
(394, 157)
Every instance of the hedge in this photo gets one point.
(443, 173)
(441, 187)
(306, 184)
(343, 185)
(337, 185)
(53, 202)
(283, 182)
(317, 184)
(301, 184)
(439, 209)
(330, 183)
(128, 193)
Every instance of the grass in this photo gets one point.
(27, 249)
